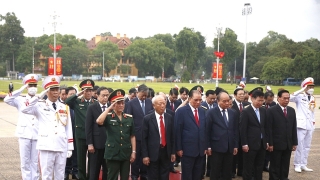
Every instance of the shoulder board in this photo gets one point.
(109, 113)
(129, 115)
(246, 106)
(204, 107)
(42, 100)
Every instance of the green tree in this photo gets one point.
(11, 36)
(276, 69)
(106, 34)
(111, 55)
(24, 59)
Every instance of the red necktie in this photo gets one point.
(172, 108)
(240, 107)
(196, 116)
(267, 106)
(163, 132)
(285, 112)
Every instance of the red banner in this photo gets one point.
(214, 70)
(59, 66)
(50, 66)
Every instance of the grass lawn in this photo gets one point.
(158, 87)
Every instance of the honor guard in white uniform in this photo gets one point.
(27, 128)
(305, 105)
(55, 141)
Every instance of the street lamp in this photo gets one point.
(54, 24)
(245, 12)
(33, 55)
(219, 29)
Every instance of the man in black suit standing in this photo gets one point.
(96, 136)
(282, 134)
(238, 105)
(253, 137)
(132, 94)
(268, 102)
(158, 141)
(184, 92)
(190, 129)
(138, 108)
(172, 102)
(222, 136)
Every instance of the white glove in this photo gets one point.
(81, 92)
(69, 154)
(23, 87)
(43, 93)
(299, 91)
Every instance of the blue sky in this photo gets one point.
(298, 20)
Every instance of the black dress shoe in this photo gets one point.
(233, 175)
(266, 169)
(134, 178)
(143, 178)
(175, 164)
(75, 176)
(208, 174)
(174, 171)
(239, 174)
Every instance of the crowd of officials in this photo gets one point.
(97, 132)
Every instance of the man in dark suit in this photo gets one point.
(253, 137)
(158, 141)
(209, 103)
(96, 136)
(282, 134)
(132, 94)
(172, 102)
(238, 105)
(268, 102)
(190, 136)
(138, 108)
(183, 94)
(222, 135)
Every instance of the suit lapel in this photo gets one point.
(98, 107)
(154, 121)
(281, 111)
(139, 105)
(166, 122)
(218, 112)
(253, 113)
(190, 113)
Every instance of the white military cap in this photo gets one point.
(51, 82)
(308, 81)
(30, 79)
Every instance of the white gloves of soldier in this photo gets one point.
(23, 87)
(69, 154)
(43, 93)
(299, 91)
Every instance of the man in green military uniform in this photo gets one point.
(80, 105)
(119, 152)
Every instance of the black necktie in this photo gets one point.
(309, 97)
(225, 117)
(103, 108)
(54, 106)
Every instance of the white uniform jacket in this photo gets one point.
(55, 128)
(27, 126)
(305, 110)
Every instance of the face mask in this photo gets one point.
(310, 91)
(32, 91)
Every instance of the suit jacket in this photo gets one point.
(270, 105)
(222, 138)
(251, 128)
(150, 142)
(176, 104)
(236, 108)
(205, 104)
(134, 108)
(189, 136)
(281, 130)
(95, 134)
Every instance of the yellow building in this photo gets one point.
(122, 43)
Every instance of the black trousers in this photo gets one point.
(191, 167)
(221, 164)
(159, 170)
(72, 162)
(95, 162)
(253, 161)
(237, 162)
(279, 164)
(137, 167)
(267, 159)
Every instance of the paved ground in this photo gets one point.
(10, 162)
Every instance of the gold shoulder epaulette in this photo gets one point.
(246, 106)
(204, 107)
(42, 100)
(129, 115)
(110, 113)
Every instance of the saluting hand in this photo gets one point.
(81, 92)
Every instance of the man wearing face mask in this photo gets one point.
(27, 128)
(305, 104)
(55, 139)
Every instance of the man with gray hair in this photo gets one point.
(138, 108)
